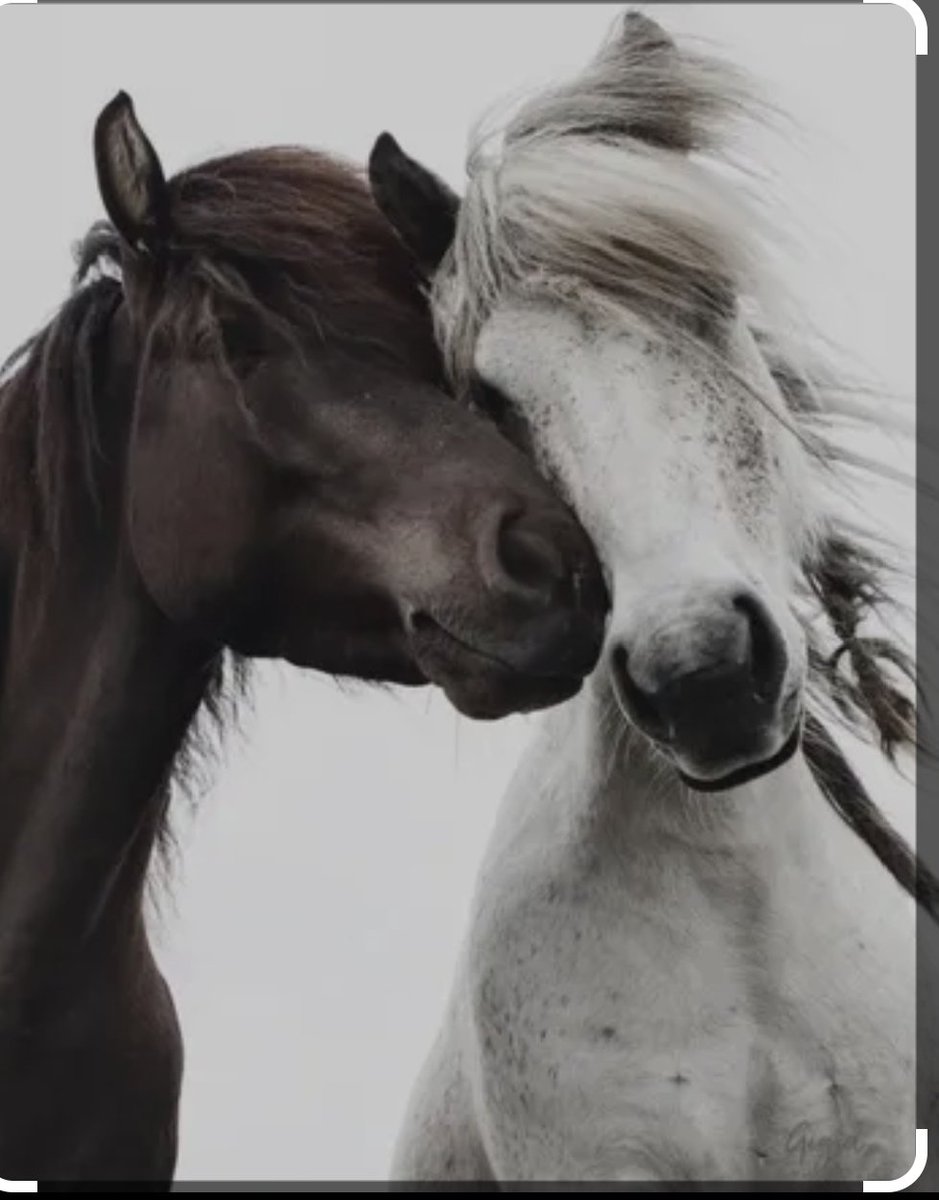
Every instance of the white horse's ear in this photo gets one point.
(640, 32)
(130, 177)
(420, 206)
(643, 48)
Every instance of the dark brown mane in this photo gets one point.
(48, 422)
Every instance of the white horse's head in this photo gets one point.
(592, 302)
(695, 496)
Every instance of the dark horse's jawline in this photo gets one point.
(480, 684)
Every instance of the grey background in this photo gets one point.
(347, 822)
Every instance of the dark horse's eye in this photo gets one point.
(245, 339)
(488, 400)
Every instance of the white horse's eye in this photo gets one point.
(488, 400)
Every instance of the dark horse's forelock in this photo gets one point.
(296, 237)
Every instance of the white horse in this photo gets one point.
(683, 963)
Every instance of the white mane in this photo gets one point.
(589, 191)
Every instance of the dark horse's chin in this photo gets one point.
(750, 772)
(480, 685)
(477, 685)
(492, 699)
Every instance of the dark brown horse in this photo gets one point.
(233, 436)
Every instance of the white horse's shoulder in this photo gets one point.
(683, 1015)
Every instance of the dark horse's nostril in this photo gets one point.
(767, 658)
(530, 559)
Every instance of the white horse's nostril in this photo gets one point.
(767, 649)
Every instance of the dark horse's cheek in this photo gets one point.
(195, 542)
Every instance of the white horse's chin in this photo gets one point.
(707, 765)
(722, 780)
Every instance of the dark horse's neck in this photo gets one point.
(97, 691)
(96, 701)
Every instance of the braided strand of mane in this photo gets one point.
(844, 578)
(849, 798)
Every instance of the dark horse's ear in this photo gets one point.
(419, 205)
(130, 177)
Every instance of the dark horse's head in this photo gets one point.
(297, 483)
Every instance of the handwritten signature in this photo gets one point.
(806, 1140)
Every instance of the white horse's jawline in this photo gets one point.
(748, 774)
